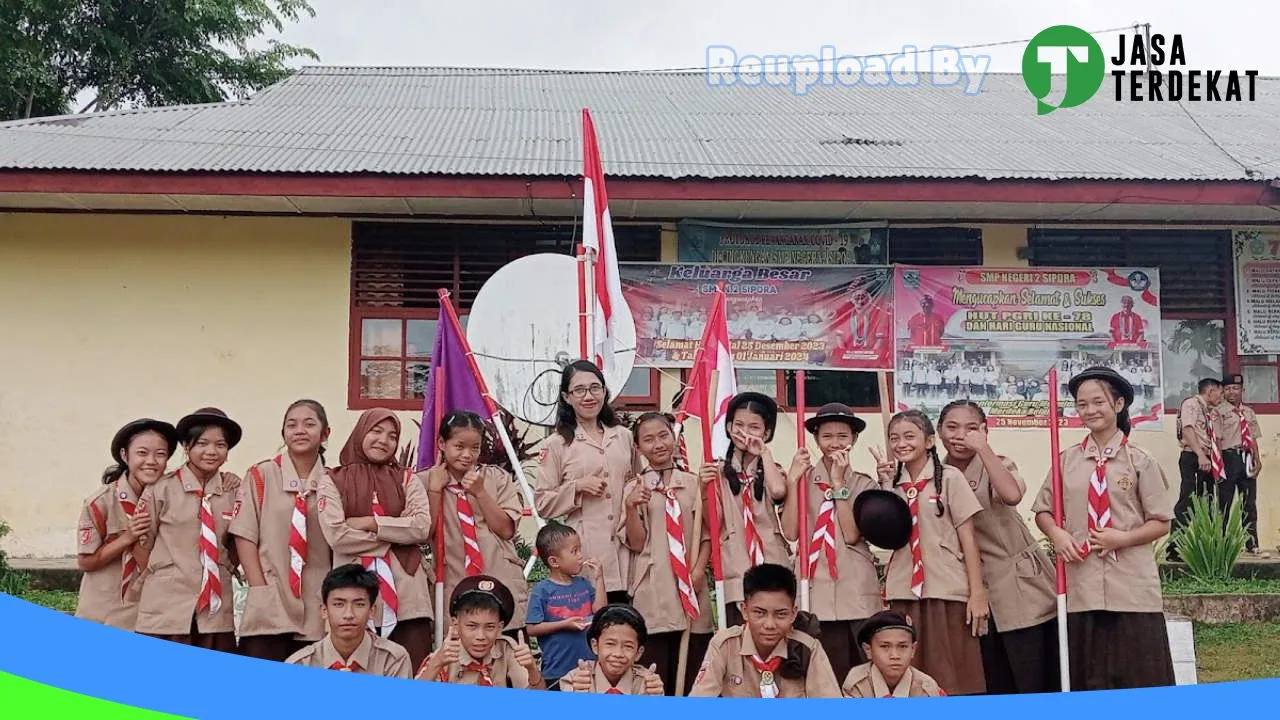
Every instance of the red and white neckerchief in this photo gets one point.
(381, 566)
(824, 533)
(676, 549)
(1126, 328)
(342, 667)
(485, 672)
(473, 559)
(767, 669)
(297, 535)
(1100, 493)
(613, 691)
(211, 579)
(1217, 468)
(755, 543)
(129, 564)
(1248, 445)
(913, 491)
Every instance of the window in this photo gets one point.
(1196, 304)
(396, 269)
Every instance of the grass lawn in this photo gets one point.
(1237, 651)
(56, 599)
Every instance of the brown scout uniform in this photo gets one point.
(1196, 413)
(375, 656)
(413, 527)
(500, 558)
(101, 520)
(265, 517)
(631, 683)
(170, 585)
(504, 671)
(865, 681)
(733, 536)
(944, 572)
(855, 594)
(594, 518)
(1017, 572)
(727, 670)
(1228, 426)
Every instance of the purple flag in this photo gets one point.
(461, 388)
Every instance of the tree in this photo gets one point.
(140, 52)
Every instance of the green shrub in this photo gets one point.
(1206, 544)
(12, 582)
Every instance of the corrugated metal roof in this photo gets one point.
(458, 121)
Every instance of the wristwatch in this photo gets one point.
(841, 494)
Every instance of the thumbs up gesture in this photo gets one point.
(522, 654)
(594, 484)
(653, 681)
(580, 678)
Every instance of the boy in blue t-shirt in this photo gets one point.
(561, 607)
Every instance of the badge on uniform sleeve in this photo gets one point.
(1125, 483)
(702, 671)
(86, 536)
(542, 455)
(320, 504)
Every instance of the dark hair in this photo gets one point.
(318, 409)
(618, 614)
(350, 576)
(768, 577)
(120, 467)
(1113, 392)
(566, 418)
(920, 420)
(729, 472)
(1207, 384)
(476, 601)
(956, 405)
(667, 419)
(551, 538)
(458, 420)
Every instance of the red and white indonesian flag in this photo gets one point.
(715, 357)
(606, 302)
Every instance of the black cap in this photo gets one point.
(884, 620)
(835, 412)
(1107, 375)
(484, 585)
(1233, 379)
(883, 518)
(127, 433)
(770, 412)
(211, 416)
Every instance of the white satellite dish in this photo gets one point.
(523, 329)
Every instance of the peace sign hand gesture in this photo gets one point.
(885, 467)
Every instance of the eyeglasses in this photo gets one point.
(581, 391)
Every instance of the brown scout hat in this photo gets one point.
(835, 412)
(884, 620)
(125, 434)
(488, 586)
(211, 416)
(883, 518)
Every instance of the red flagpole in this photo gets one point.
(1055, 449)
(802, 500)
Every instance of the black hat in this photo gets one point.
(770, 411)
(127, 433)
(835, 412)
(1107, 375)
(484, 585)
(211, 416)
(1233, 379)
(883, 518)
(884, 620)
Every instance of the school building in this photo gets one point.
(245, 254)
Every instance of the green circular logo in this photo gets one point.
(1068, 56)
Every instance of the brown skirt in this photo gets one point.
(839, 639)
(1021, 661)
(271, 647)
(947, 651)
(417, 636)
(221, 642)
(1118, 650)
(663, 650)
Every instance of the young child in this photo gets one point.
(752, 488)
(1020, 649)
(112, 524)
(278, 538)
(349, 593)
(476, 652)
(186, 594)
(372, 512)
(889, 639)
(478, 509)
(668, 569)
(844, 589)
(617, 637)
(562, 605)
(936, 579)
(1116, 503)
(767, 657)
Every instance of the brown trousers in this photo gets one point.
(839, 639)
(416, 636)
(663, 650)
(221, 642)
(271, 647)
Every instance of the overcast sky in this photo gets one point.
(653, 34)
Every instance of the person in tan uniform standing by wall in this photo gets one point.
(667, 589)
(767, 657)
(1116, 504)
(112, 524)
(478, 510)
(349, 594)
(1241, 454)
(375, 514)
(1195, 463)
(1020, 649)
(280, 542)
(583, 469)
(844, 589)
(186, 594)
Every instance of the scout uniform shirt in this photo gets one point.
(265, 517)
(1229, 424)
(1196, 413)
(729, 669)
(653, 583)
(101, 521)
(413, 527)
(594, 518)
(500, 558)
(631, 683)
(173, 578)
(375, 656)
(733, 536)
(1019, 577)
(1138, 491)
(503, 670)
(865, 681)
(855, 593)
(940, 552)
